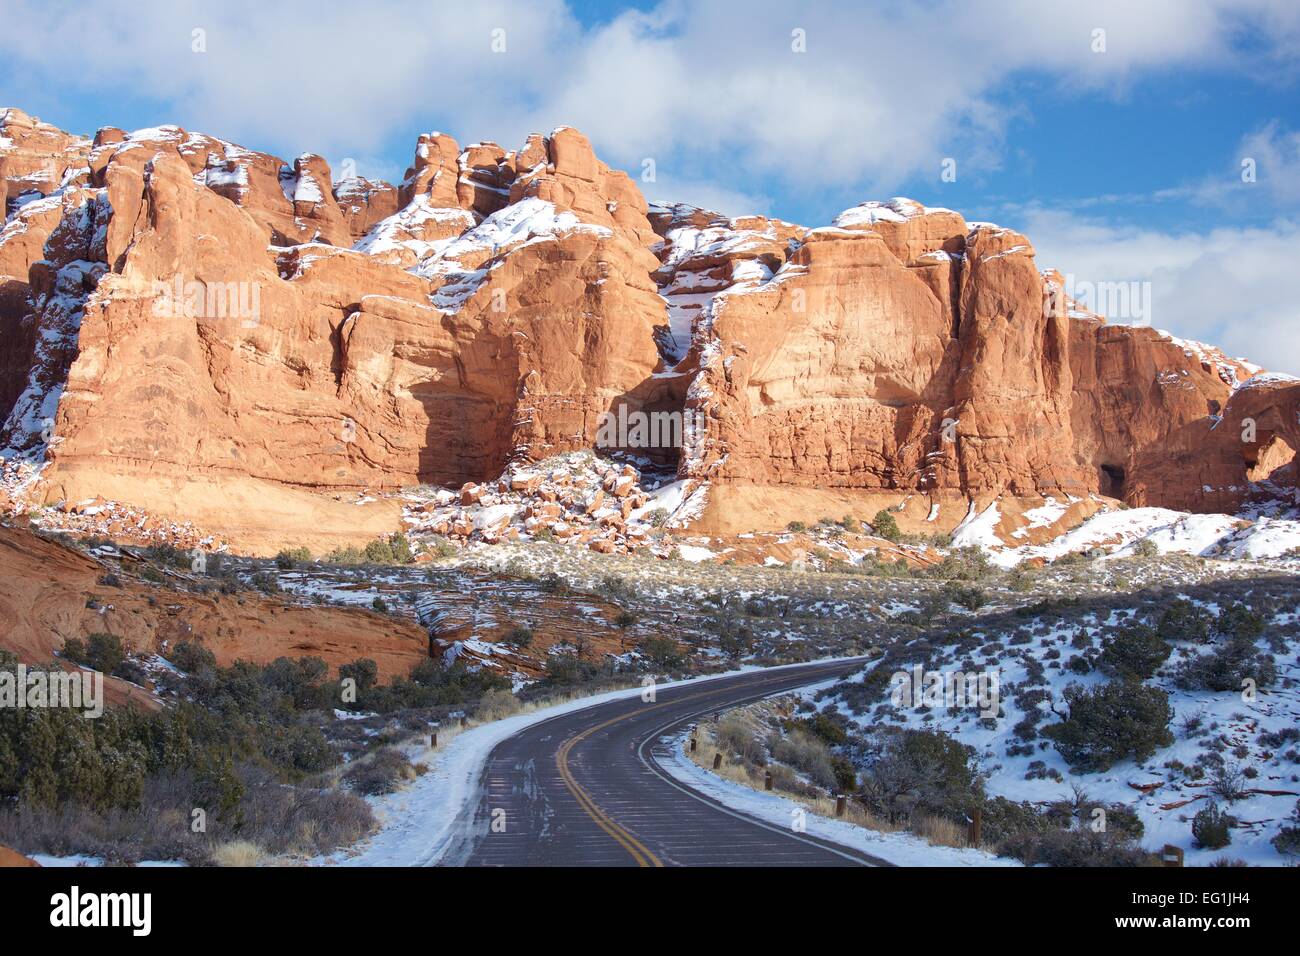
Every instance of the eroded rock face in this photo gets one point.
(191, 324)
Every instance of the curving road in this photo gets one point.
(585, 789)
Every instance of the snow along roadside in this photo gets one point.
(901, 849)
(418, 823)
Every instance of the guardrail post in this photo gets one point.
(839, 804)
(717, 761)
(767, 780)
(433, 739)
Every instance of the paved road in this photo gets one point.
(586, 789)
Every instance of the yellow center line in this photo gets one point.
(626, 840)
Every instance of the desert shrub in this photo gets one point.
(846, 775)
(1075, 847)
(796, 526)
(734, 736)
(496, 704)
(298, 748)
(300, 679)
(662, 651)
(806, 754)
(191, 657)
(567, 669)
(53, 755)
(1004, 819)
(1212, 828)
(1227, 781)
(1135, 651)
(962, 564)
(363, 670)
(884, 525)
(378, 551)
(1287, 841)
(1146, 548)
(919, 771)
(440, 547)
(1184, 621)
(971, 598)
(1111, 722)
(103, 652)
(289, 558)
(520, 636)
(826, 726)
(266, 583)
(400, 546)
(1239, 622)
(1226, 667)
(381, 772)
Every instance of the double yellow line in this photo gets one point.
(624, 839)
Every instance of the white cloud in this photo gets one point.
(1236, 288)
(881, 93)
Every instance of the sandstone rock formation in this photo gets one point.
(216, 334)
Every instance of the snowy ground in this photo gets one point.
(1204, 723)
(901, 849)
(1233, 537)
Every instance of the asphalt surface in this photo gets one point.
(586, 789)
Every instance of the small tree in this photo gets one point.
(1111, 722)
(363, 670)
(1227, 667)
(885, 526)
(1212, 828)
(401, 548)
(103, 652)
(1184, 621)
(1135, 651)
(379, 551)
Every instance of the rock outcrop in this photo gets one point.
(216, 334)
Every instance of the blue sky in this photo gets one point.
(1121, 163)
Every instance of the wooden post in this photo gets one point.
(694, 742)
(767, 780)
(839, 804)
(975, 830)
(433, 739)
(717, 761)
(464, 721)
(1171, 855)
